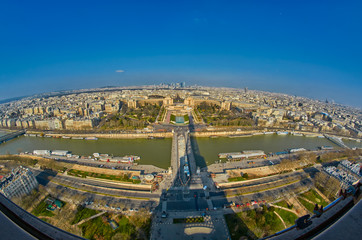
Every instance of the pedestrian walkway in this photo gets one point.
(90, 218)
(281, 219)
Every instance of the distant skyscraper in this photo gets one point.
(246, 90)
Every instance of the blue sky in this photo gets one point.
(306, 48)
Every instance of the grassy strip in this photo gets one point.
(236, 179)
(104, 194)
(41, 210)
(284, 204)
(253, 224)
(99, 228)
(28, 161)
(288, 217)
(189, 220)
(306, 204)
(84, 174)
(263, 190)
(83, 213)
(313, 196)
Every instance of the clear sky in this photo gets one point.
(306, 48)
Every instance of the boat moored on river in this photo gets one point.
(91, 138)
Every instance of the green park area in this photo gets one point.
(83, 213)
(117, 226)
(288, 217)
(131, 118)
(48, 207)
(306, 204)
(313, 196)
(214, 115)
(310, 198)
(257, 223)
(84, 174)
(108, 226)
(41, 210)
(284, 204)
(241, 178)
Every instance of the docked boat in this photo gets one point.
(91, 138)
(78, 138)
(257, 133)
(297, 134)
(311, 135)
(125, 159)
(214, 136)
(294, 150)
(65, 137)
(282, 133)
(225, 155)
(326, 148)
(132, 157)
(268, 133)
(153, 137)
(239, 135)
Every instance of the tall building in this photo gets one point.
(225, 105)
(18, 183)
(167, 101)
(132, 103)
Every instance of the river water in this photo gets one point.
(158, 151)
(207, 149)
(152, 152)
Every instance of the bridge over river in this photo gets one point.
(11, 135)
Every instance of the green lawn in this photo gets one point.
(99, 229)
(236, 179)
(284, 204)
(288, 217)
(83, 213)
(41, 210)
(306, 204)
(84, 174)
(313, 196)
(254, 224)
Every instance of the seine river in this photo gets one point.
(207, 149)
(158, 151)
(152, 152)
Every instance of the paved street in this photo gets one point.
(213, 227)
(187, 198)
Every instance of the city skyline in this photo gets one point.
(308, 49)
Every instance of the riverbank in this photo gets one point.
(210, 132)
(107, 135)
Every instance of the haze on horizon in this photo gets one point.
(305, 48)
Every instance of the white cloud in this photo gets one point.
(120, 71)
